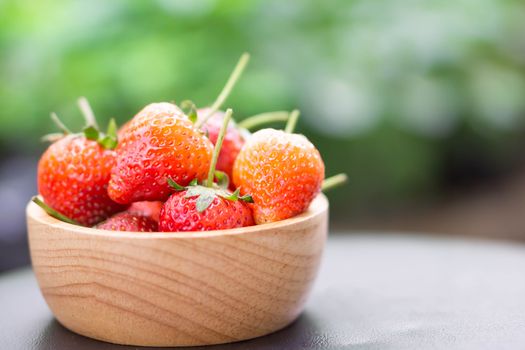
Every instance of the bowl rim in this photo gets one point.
(318, 206)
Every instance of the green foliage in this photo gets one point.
(382, 85)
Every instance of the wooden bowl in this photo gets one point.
(177, 289)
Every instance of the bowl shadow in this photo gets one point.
(295, 336)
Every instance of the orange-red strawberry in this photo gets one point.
(208, 206)
(149, 209)
(233, 140)
(282, 171)
(73, 176)
(235, 134)
(127, 221)
(73, 173)
(181, 212)
(159, 142)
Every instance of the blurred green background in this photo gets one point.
(419, 102)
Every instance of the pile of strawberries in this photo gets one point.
(169, 169)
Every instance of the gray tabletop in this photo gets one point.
(373, 292)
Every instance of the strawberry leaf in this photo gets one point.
(91, 133)
(175, 185)
(112, 129)
(108, 142)
(246, 198)
(205, 196)
(189, 108)
(223, 180)
(235, 196)
(194, 182)
(230, 196)
(204, 201)
(193, 191)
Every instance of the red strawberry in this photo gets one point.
(282, 171)
(204, 208)
(73, 175)
(149, 209)
(233, 140)
(182, 211)
(127, 221)
(159, 142)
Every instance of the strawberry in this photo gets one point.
(206, 207)
(149, 209)
(159, 142)
(235, 135)
(73, 174)
(282, 171)
(127, 221)
(183, 211)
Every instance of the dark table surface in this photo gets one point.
(373, 292)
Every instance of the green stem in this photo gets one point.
(217, 148)
(86, 110)
(334, 181)
(59, 124)
(226, 90)
(264, 118)
(53, 137)
(53, 212)
(292, 121)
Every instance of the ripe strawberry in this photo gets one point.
(233, 140)
(126, 221)
(282, 171)
(73, 175)
(182, 211)
(203, 208)
(159, 142)
(235, 135)
(149, 209)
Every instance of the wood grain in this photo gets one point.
(177, 289)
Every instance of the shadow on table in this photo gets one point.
(296, 336)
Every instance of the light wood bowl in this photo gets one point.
(177, 289)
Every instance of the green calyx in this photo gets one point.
(205, 195)
(190, 110)
(210, 189)
(223, 180)
(236, 195)
(216, 185)
(107, 140)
